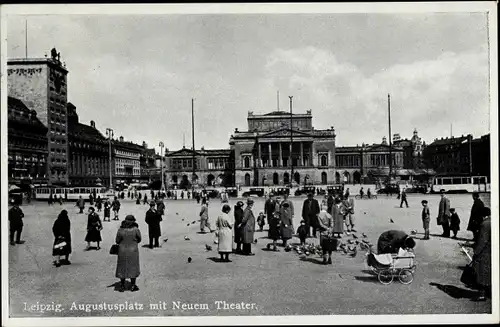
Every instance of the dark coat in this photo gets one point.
(153, 219)
(16, 218)
(248, 228)
(455, 222)
(310, 213)
(160, 206)
(127, 265)
(238, 218)
(94, 227)
(481, 262)
(62, 229)
(80, 203)
(115, 205)
(269, 208)
(286, 223)
(476, 216)
(391, 241)
(444, 211)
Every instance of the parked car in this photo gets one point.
(281, 191)
(335, 190)
(212, 194)
(417, 189)
(255, 191)
(232, 192)
(305, 190)
(389, 189)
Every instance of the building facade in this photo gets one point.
(41, 84)
(88, 153)
(126, 162)
(462, 155)
(279, 149)
(27, 146)
(212, 168)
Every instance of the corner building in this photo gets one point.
(40, 83)
(277, 142)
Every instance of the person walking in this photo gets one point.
(444, 215)
(80, 203)
(91, 199)
(16, 224)
(349, 214)
(481, 261)
(238, 218)
(94, 227)
(286, 225)
(347, 193)
(153, 219)
(337, 214)
(127, 265)
(269, 209)
(426, 219)
(204, 216)
(60, 200)
(224, 225)
(248, 228)
(327, 241)
(403, 198)
(62, 239)
(107, 211)
(51, 199)
(476, 215)
(98, 203)
(454, 223)
(145, 201)
(116, 208)
(310, 211)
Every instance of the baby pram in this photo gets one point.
(387, 266)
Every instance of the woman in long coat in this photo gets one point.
(286, 222)
(62, 235)
(481, 261)
(238, 218)
(204, 216)
(325, 222)
(338, 217)
(127, 265)
(248, 228)
(94, 227)
(224, 226)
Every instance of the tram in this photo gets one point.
(460, 184)
(70, 193)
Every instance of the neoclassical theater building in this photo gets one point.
(277, 143)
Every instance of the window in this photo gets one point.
(323, 160)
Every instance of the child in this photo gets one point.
(426, 218)
(454, 222)
(107, 211)
(261, 221)
(302, 231)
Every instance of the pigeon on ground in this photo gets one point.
(364, 235)
(354, 253)
(194, 222)
(413, 232)
(357, 242)
(186, 238)
(189, 260)
(363, 246)
(365, 241)
(182, 219)
(208, 247)
(177, 213)
(344, 250)
(392, 221)
(188, 224)
(354, 236)
(351, 241)
(365, 213)
(165, 240)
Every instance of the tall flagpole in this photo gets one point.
(278, 100)
(26, 38)
(390, 140)
(192, 135)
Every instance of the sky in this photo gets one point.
(137, 74)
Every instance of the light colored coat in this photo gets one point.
(444, 210)
(224, 226)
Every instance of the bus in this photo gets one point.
(69, 193)
(460, 184)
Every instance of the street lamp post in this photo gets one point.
(161, 165)
(109, 133)
(291, 142)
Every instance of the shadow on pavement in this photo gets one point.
(370, 279)
(312, 260)
(455, 292)
(269, 250)
(215, 259)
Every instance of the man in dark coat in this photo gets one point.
(16, 224)
(238, 218)
(310, 211)
(391, 241)
(269, 209)
(80, 203)
(153, 219)
(403, 198)
(248, 228)
(481, 261)
(444, 215)
(476, 215)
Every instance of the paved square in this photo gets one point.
(268, 283)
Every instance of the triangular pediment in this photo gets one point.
(182, 152)
(286, 132)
